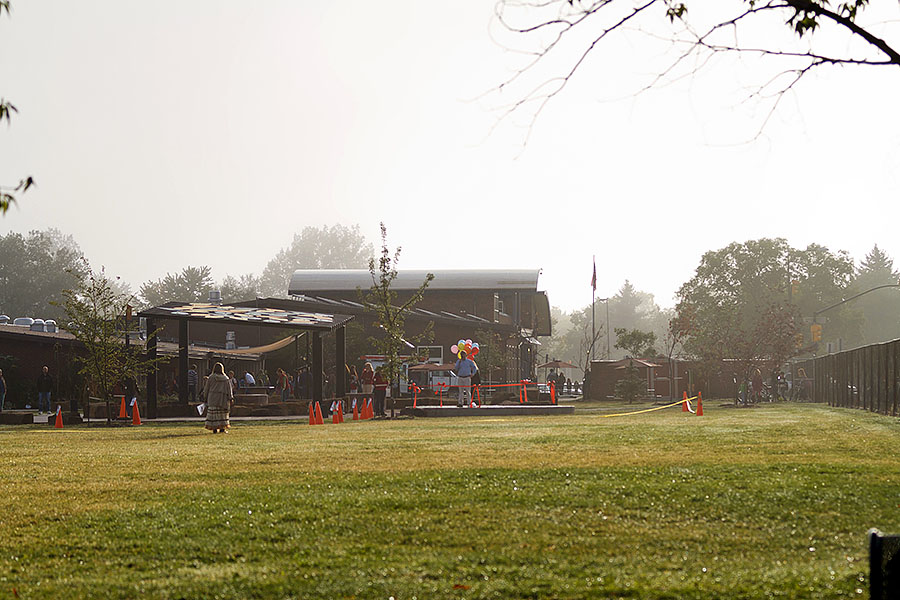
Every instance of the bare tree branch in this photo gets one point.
(574, 17)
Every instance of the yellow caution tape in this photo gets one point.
(646, 410)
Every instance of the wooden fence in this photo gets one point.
(866, 378)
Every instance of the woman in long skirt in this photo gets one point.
(218, 395)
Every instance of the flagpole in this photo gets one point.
(593, 302)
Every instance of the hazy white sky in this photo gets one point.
(209, 132)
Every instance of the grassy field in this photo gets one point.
(771, 502)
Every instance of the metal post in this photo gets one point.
(183, 361)
(607, 329)
(152, 374)
(340, 362)
(317, 366)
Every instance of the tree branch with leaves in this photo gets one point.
(8, 193)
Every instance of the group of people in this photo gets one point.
(370, 385)
(563, 384)
(756, 390)
(195, 384)
(44, 385)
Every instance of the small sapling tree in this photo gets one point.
(96, 315)
(388, 314)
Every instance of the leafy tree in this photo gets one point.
(880, 309)
(573, 342)
(631, 386)
(238, 289)
(388, 315)
(636, 343)
(821, 278)
(191, 285)
(34, 271)
(95, 316)
(740, 307)
(689, 35)
(632, 309)
(493, 354)
(336, 247)
(8, 193)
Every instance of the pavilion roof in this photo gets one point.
(247, 315)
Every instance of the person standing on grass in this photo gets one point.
(380, 384)
(2, 390)
(281, 384)
(757, 385)
(367, 380)
(353, 380)
(192, 380)
(218, 395)
(465, 368)
(44, 386)
(234, 382)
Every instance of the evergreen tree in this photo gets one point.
(880, 309)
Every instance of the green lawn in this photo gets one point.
(771, 502)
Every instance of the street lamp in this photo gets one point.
(854, 297)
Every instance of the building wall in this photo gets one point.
(23, 356)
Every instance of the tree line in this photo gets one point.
(38, 266)
(755, 303)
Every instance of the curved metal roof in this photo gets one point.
(305, 281)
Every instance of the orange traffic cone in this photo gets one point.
(135, 414)
(684, 402)
(355, 411)
(335, 419)
(312, 414)
(123, 411)
(319, 419)
(59, 423)
(699, 404)
(340, 406)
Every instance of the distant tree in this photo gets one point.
(96, 317)
(636, 343)
(631, 308)
(191, 285)
(821, 278)
(34, 271)
(740, 306)
(880, 309)
(238, 289)
(631, 386)
(493, 354)
(336, 247)
(792, 38)
(8, 193)
(388, 315)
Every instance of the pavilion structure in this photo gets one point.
(185, 313)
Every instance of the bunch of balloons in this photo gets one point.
(467, 346)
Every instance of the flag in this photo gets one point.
(594, 276)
